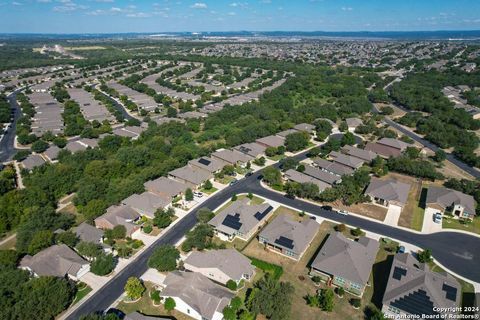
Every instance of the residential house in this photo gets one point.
(232, 157)
(271, 141)
(51, 154)
(119, 215)
(353, 123)
(346, 263)
(305, 127)
(365, 155)
(58, 261)
(195, 295)
(165, 187)
(387, 147)
(289, 237)
(88, 233)
(332, 167)
(285, 133)
(414, 290)
(322, 175)
(388, 192)
(191, 176)
(254, 149)
(447, 200)
(299, 177)
(240, 219)
(211, 165)
(32, 161)
(147, 203)
(346, 160)
(221, 265)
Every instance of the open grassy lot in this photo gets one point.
(254, 200)
(413, 212)
(473, 226)
(146, 307)
(365, 209)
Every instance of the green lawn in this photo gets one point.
(208, 191)
(82, 291)
(254, 200)
(417, 219)
(473, 226)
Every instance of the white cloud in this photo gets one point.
(199, 5)
(347, 8)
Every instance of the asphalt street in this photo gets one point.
(7, 150)
(458, 252)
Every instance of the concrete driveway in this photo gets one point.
(393, 214)
(429, 226)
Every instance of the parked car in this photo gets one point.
(437, 217)
(344, 212)
(401, 249)
(234, 181)
(329, 208)
(198, 194)
(248, 174)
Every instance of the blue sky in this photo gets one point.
(110, 16)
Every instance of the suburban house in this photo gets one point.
(299, 177)
(461, 205)
(192, 176)
(240, 219)
(271, 141)
(33, 161)
(388, 193)
(165, 187)
(119, 215)
(387, 147)
(51, 154)
(327, 177)
(346, 160)
(365, 155)
(346, 263)
(353, 123)
(232, 157)
(289, 237)
(88, 233)
(251, 149)
(208, 164)
(413, 289)
(147, 203)
(285, 133)
(332, 167)
(305, 127)
(221, 265)
(58, 261)
(195, 295)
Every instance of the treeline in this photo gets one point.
(447, 127)
(4, 110)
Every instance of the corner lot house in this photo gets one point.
(240, 219)
(346, 263)
(196, 296)
(289, 237)
(119, 215)
(221, 265)
(412, 289)
(299, 177)
(443, 200)
(388, 192)
(58, 261)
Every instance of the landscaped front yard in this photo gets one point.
(82, 290)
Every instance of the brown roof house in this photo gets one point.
(452, 201)
(365, 155)
(346, 263)
(332, 167)
(58, 261)
(299, 177)
(387, 147)
(195, 295)
(119, 215)
(240, 219)
(414, 290)
(388, 192)
(221, 265)
(346, 160)
(289, 237)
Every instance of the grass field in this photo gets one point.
(473, 226)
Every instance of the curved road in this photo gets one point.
(458, 252)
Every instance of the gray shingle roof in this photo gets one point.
(299, 177)
(353, 122)
(32, 161)
(209, 164)
(447, 197)
(394, 143)
(408, 277)
(231, 156)
(349, 161)
(346, 258)
(229, 261)
(332, 167)
(193, 175)
(199, 292)
(147, 202)
(301, 233)
(52, 152)
(304, 127)
(252, 149)
(165, 186)
(271, 141)
(57, 260)
(359, 153)
(88, 233)
(390, 190)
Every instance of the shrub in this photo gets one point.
(155, 296)
(340, 291)
(340, 227)
(316, 279)
(134, 288)
(147, 228)
(103, 264)
(355, 302)
(273, 269)
(232, 285)
(170, 304)
(356, 232)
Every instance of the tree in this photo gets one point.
(41, 240)
(134, 288)
(199, 238)
(440, 155)
(288, 163)
(188, 195)
(228, 170)
(387, 110)
(208, 185)
(60, 142)
(8, 258)
(169, 304)
(118, 232)
(343, 126)
(164, 258)
(89, 250)
(103, 264)
(234, 198)
(232, 285)
(271, 151)
(296, 141)
(204, 215)
(356, 303)
(271, 298)
(340, 227)
(260, 161)
(325, 300)
(39, 146)
(348, 138)
(68, 237)
(356, 232)
(163, 218)
(272, 176)
(425, 256)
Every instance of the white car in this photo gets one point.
(198, 194)
(344, 212)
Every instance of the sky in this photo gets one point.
(119, 16)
